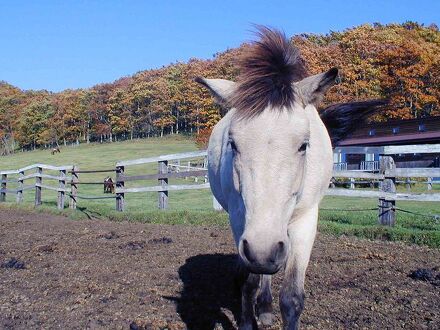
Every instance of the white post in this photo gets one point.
(216, 204)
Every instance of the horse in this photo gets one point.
(55, 150)
(109, 186)
(269, 164)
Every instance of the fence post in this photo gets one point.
(73, 188)
(429, 183)
(119, 184)
(20, 187)
(187, 169)
(352, 180)
(61, 192)
(408, 184)
(3, 189)
(38, 182)
(387, 213)
(163, 195)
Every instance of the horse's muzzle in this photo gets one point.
(263, 262)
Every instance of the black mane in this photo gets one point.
(267, 70)
(342, 119)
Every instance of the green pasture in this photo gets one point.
(194, 207)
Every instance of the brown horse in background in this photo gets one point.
(109, 186)
(55, 150)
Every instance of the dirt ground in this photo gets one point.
(59, 273)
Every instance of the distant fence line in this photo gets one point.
(170, 167)
(166, 171)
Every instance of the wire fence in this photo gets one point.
(435, 217)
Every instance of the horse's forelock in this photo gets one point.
(267, 70)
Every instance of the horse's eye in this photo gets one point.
(303, 147)
(233, 145)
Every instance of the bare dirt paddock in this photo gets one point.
(100, 274)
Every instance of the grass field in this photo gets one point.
(195, 206)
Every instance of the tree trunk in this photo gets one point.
(177, 122)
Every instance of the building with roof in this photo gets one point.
(419, 131)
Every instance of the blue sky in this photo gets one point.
(56, 45)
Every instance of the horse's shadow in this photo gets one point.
(209, 289)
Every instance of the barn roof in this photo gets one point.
(410, 131)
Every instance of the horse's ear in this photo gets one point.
(313, 88)
(221, 89)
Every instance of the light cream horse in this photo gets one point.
(270, 163)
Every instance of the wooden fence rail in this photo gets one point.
(61, 190)
(162, 176)
(386, 179)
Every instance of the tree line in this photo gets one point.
(400, 62)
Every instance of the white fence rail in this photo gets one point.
(339, 166)
(370, 165)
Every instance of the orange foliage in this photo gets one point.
(202, 137)
(399, 62)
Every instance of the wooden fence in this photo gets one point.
(169, 167)
(386, 179)
(10, 176)
(163, 176)
(387, 176)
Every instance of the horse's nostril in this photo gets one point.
(247, 252)
(280, 248)
(278, 252)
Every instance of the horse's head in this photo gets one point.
(269, 141)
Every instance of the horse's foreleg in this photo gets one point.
(264, 301)
(302, 233)
(248, 293)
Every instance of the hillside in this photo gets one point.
(398, 61)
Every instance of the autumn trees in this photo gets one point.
(399, 62)
(11, 100)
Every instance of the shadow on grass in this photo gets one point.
(208, 290)
(90, 214)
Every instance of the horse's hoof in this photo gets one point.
(266, 319)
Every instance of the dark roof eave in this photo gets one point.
(430, 137)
